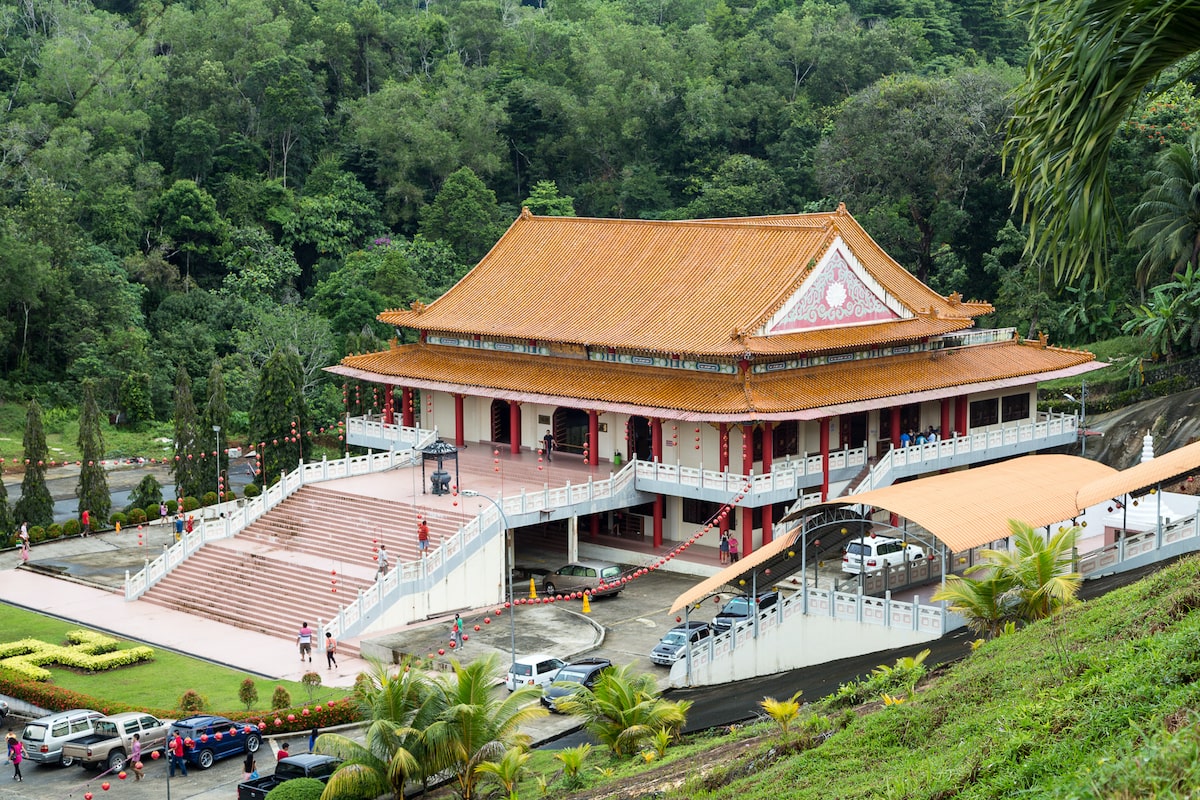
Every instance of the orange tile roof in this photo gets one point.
(700, 287)
(701, 394)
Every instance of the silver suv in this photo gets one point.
(873, 553)
(581, 575)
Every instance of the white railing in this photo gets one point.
(228, 519)
(848, 606)
(372, 427)
(1139, 544)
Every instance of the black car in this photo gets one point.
(739, 609)
(578, 673)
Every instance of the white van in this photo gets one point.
(43, 738)
(873, 553)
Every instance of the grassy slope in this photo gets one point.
(1101, 702)
(1058, 710)
(157, 684)
(62, 431)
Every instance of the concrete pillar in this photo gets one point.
(573, 539)
(514, 427)
(460, 435)
(825, 456)
(593, 438)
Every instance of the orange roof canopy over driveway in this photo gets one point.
(972, 507)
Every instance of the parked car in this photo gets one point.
(871, 553)
(740, 608)
(672, 646)
(535, 670)
(109, 744)
(570, 678)
(212, 738)
(585, 575)
(306, 765)
(43, 738)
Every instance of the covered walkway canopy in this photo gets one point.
(971, 507)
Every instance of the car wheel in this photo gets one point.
(549, 588)
(252, 743)
(67, 761)
(116, 761)
(205, 759)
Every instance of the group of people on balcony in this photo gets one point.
(920, 437)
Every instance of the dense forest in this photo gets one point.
(207, 180)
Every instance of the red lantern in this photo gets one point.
(477, 628)
(278, 722)
(291, 717)
(121, 775)
(441, 651)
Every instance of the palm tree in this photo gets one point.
(624, 708)
(471, 724)
(398, 706)
(1163, 322)
(784, 712)
(1090, 64)
(507, 771)
(1033, 580)
(1168, 217)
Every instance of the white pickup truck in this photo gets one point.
(112, 738)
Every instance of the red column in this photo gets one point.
(723, 444)
(595, 526)
(960, 414)
(389, 409)
(460, 436)
(656, 442)
(593, 438)
(768, 456)
(825, 458)
(895, 426)
(747, 468)
(514, 427)
(945, 431)
(658, 520)
(408, 418)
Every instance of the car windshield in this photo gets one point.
(522, 669)
(739, 606)
(610, 572)
(34, 733)
(673, 638)
(858, 549)
(576, 675)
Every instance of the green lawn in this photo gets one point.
(157, 684)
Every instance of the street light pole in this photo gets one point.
(217, 431)
(512, 607)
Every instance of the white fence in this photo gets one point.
(227, 519)
(1180, 536)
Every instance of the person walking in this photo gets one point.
(383, 560)
(330, 650)
(176, 759)
(548, 442)
(16, 752)
(422, 537)
(135, 757)
(312, 738)
(24, 537)
(86, 522)
(304, 638)
(249, 768)
(456, 632)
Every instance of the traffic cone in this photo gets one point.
(532, 589)
(587, 606)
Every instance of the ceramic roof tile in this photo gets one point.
(703, 393)
(670, 287)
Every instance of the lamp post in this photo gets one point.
(217, 431)
(512, 607)
(1082, 415)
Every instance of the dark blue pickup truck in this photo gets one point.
(309, 765)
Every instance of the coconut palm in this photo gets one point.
(472, 723)
(1168, 217)
(979, 601)
(507, 771)
(623, 709)
(784, 712)
(397, 706)
(1090, 63)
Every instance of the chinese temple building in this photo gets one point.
(762, 347)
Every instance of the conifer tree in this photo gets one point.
(7, 524)
(216, 412)
(278, 403)
(187, 466)
(36, 506)
(93, 483)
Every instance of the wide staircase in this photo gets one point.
(280, 571)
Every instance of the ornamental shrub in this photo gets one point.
(172, 507)
(151, 512)
(252, 490)
(55, 531)
(37, 534)
(119, 516)
(71, 527)
(192, 702)
(137, 516)
(281, 699)
(248, 693)
(209, 499)
(312, 682)
(297, 789)
(229, 495)
(190, 504)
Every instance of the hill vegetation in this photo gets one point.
(1101, 701)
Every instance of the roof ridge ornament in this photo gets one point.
(526, 213)
(417, 306)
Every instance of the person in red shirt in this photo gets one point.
(283, 752)
(177, 755)
(422, 537)
(87, 522)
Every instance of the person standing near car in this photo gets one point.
(176, 756)
(135, 756)
(16, 752)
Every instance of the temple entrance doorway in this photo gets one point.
(570, 429)
(640, 444)
(501, 422)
